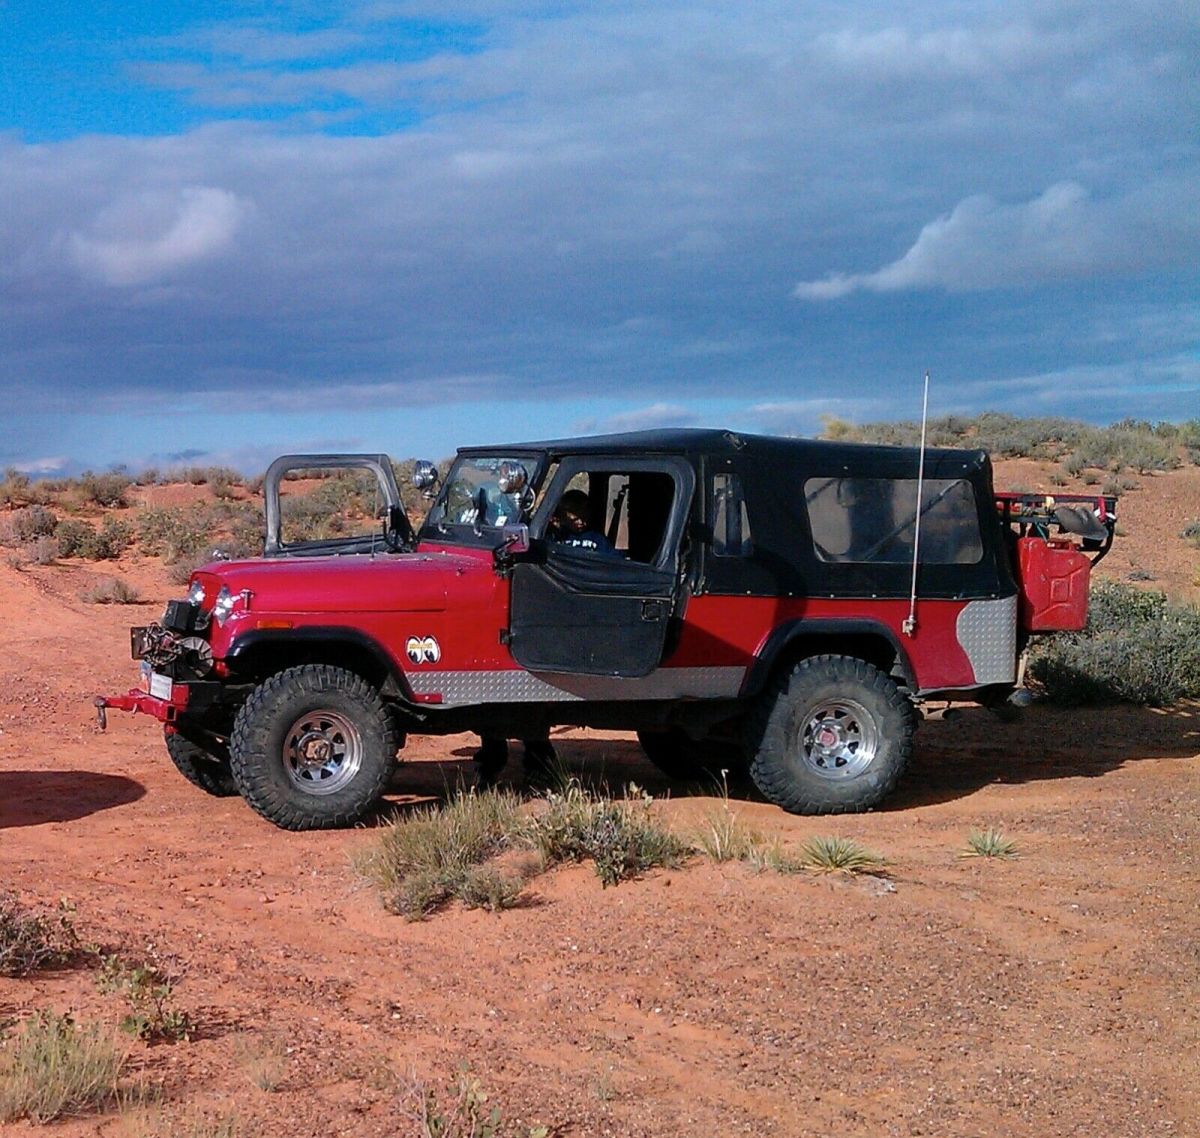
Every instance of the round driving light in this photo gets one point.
(511, 477)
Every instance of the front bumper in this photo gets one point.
(136, 700)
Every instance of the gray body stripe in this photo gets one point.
(518, 686)
(987, 632)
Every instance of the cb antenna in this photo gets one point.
(909, 627)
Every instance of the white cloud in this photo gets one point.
(54, 465)
(154, 235)
(1062, 234)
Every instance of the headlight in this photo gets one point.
(223, 605)
(196, 594)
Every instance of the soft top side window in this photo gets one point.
(873, 520)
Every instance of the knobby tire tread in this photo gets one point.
(769, 767)
(253, 751)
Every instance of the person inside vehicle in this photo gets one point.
(572, 526)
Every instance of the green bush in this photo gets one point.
(108, 490)
(1137, 648)
(78, 539)
(175, 534)
(622, 838)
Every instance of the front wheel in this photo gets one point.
(313, 748)
(832, 736)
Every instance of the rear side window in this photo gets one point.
(730, 522)
(873, 520)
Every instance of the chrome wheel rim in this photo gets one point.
(838, 739)
(322, 752)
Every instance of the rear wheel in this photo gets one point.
(832, 736)
(313, 748)
(206, 769)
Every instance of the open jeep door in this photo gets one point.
(590, 612)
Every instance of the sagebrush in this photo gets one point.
(1137, 648)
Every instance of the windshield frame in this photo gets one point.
(442, 531)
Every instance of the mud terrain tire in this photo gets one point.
(313, 748)
(832, 736)
(685, 759)
(210, 772)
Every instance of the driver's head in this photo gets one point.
(574, 512)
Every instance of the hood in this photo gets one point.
(415, 582)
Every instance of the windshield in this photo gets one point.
(472, 496)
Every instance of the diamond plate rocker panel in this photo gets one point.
(517, 686)
(987, 632)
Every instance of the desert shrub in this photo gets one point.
(41, 551)
(1137, 648)
(174, 533)
(72, 535)
(1191, 532)
(146, 477)
(78, 539)
(109, 490)
(1074, 464)
(33, 938)
(33, 522)
(53, 1069)
(459, 1111)
(111, 591)
(149, 992)
(621, 838)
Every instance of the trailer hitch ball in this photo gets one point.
(101, 714)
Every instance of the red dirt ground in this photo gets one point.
(1055, 994)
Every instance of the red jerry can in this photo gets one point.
(1054, 584)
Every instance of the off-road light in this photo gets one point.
(196, 594)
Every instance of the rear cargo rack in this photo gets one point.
(1090, 517)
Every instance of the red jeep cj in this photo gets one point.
(779, 603)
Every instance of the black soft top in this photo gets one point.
(864, 458)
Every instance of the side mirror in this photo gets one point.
(425, 477)
(514, 542)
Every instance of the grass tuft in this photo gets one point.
(425, 859)
(839, 855)
(111, 591)
(53, 1069)
(989, 842)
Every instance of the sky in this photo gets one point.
(233, 231)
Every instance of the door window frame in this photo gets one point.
(678, 469)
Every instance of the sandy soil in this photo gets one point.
(1055, 994)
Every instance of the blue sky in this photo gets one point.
(231, 231)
